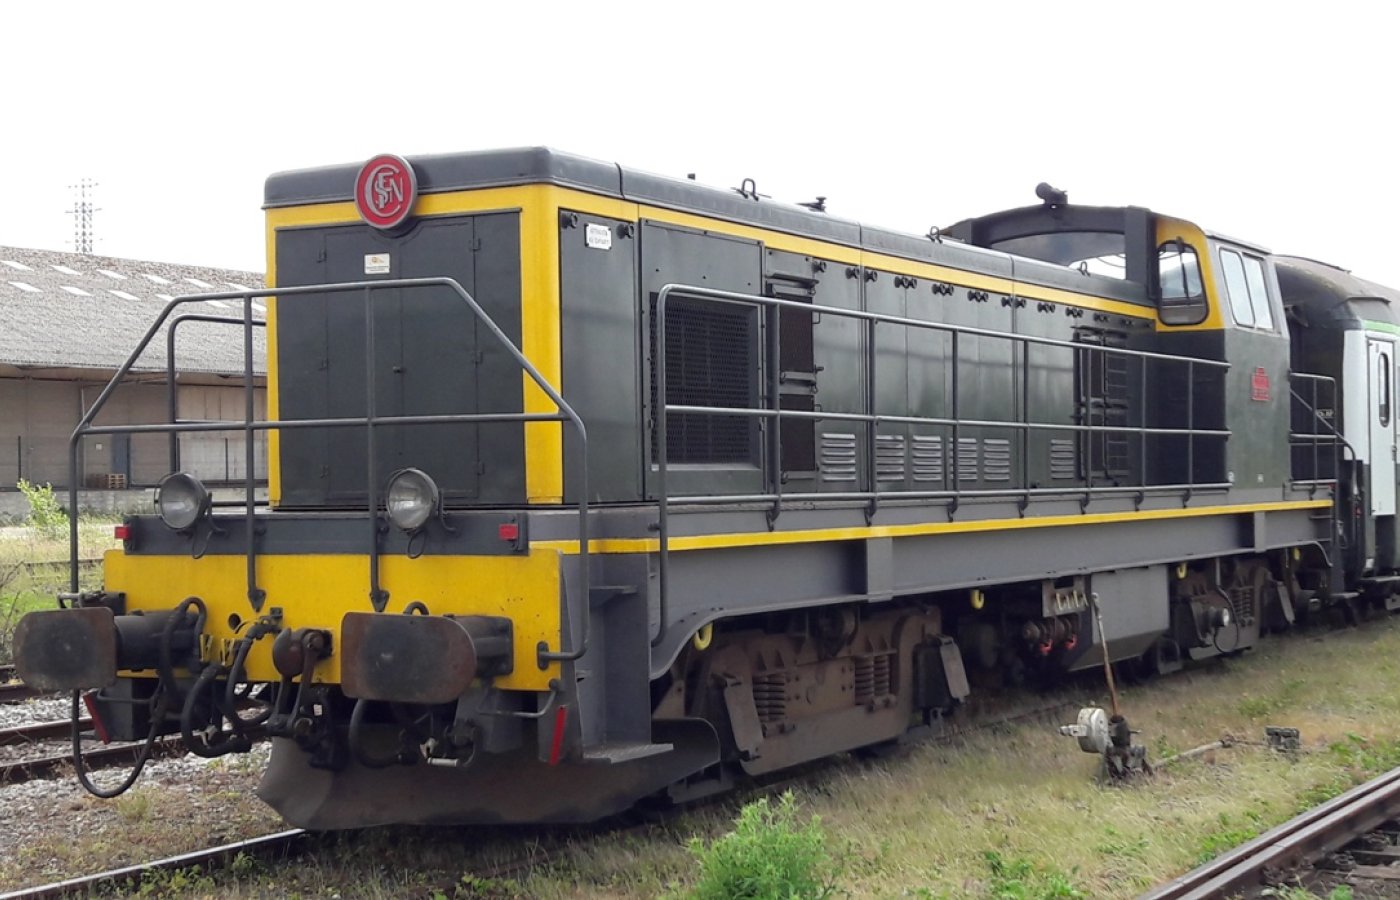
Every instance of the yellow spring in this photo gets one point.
(703, 637)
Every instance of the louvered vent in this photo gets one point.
(1063, 459)
(709, 362)
(967, 459)
(927, 451)
(889, 457)
(838, 456)
(996, 459)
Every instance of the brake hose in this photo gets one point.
(159, 705)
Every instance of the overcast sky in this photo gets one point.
(1269, 122)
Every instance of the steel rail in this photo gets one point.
(20, 735)
(85, 885)
(19, 692)
(12, 690)
(1298, 841)
(38, 767)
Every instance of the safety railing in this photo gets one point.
(371, 421)
(172, 397)
(950, 491)
(1314, 444)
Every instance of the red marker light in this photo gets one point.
(561, 719)
(98, 726)
(121, 532)
(509, 531)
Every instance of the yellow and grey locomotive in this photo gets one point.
(588, 485)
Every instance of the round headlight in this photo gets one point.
(412, 499)
(181, 500)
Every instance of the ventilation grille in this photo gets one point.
(838, 458)
(889, 457)
(996, 459)
(967, 459)
(709, 362)
(928, 458)
(1064, 461)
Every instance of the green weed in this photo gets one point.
(45, 513)
(1019, 879)
(1116, 844)
(1229, 835)
(770, 855)
(1357, 760)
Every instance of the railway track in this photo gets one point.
(1358, 827)
(56, 566)
(58, 734)
(282, 843)
(21, 735)
(12, 690)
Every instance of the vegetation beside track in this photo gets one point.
(26, 585)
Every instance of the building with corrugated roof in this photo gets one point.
(67, 323)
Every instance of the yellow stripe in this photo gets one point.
(570, 198)
(274, 438)
(853, 256)
(540, 332)
(771, 538)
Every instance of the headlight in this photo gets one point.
(181, 500)
(412, 499)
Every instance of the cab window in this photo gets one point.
(1179, 272)
(1247, 289)
(1181, 297)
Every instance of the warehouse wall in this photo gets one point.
(37, 416)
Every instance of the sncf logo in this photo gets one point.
(385, 191)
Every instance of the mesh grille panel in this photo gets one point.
(709, 362)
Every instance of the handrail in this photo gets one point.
(250, 426)
(1315, 418)
(776, 414)
(172, 393)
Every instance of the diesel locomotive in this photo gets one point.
(587, 486)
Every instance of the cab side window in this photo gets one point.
(1247, 289)
(1181, 297)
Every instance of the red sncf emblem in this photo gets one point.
(385, 190)
(1259, 385)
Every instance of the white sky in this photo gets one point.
(1269, 122)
